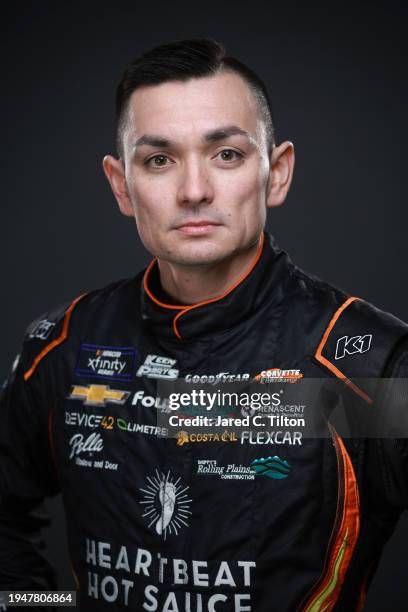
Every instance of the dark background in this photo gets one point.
(337, 78)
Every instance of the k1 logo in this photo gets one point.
(353, 344)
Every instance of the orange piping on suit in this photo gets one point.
(184, 309)
(56, 341)
(331, 366)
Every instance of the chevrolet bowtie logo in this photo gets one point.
(98, 395)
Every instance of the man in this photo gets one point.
(265, 520)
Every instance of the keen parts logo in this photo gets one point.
(354, 344)
(98, 395)
(106, 361)
(156, 366)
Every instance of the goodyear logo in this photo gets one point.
(98, 395)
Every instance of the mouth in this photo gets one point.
(197, 227)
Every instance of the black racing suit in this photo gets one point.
(260, 520)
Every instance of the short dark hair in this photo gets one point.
(182, 60)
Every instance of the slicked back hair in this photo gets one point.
(183, 60)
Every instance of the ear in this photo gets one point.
(282, 163)
(115, 173)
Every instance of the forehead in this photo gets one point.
(186, 109)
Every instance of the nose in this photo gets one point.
(195, 185)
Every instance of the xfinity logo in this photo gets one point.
(106, 362)
(354, 344)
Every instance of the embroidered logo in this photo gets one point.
(166, 504)
(98, 395)
(42, 329)
(155, 366)
(354, 344)
(271, 467)
(106, 361)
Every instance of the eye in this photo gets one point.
(157, 161)
(229, 155)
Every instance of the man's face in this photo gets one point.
(196, 169)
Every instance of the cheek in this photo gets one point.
(152, 205)
(150, 201)
(244, 190)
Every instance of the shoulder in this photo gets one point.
(72, 318)
(354, 338)
(350, 316)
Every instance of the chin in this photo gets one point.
(200, 254)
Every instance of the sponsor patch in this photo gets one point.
(42, 329)
(349, 345)
(165, 503)
(271, 467)
(220, 377)
(79, 444)
(98, 395)
(89, 445)
(197, 585)
(231, 471)
(278, 375)
(114, 362)
(148, 401)
(155, 366)
(183, 437)
(272, 437)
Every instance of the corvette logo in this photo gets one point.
(278, 375)
(98, 395)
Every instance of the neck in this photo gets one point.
(194, 284)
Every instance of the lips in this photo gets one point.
(202, 223)
(197, 228)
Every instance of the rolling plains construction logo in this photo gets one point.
(272, 375)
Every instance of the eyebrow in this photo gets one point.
(211, 136)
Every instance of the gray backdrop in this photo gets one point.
(337, 78)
